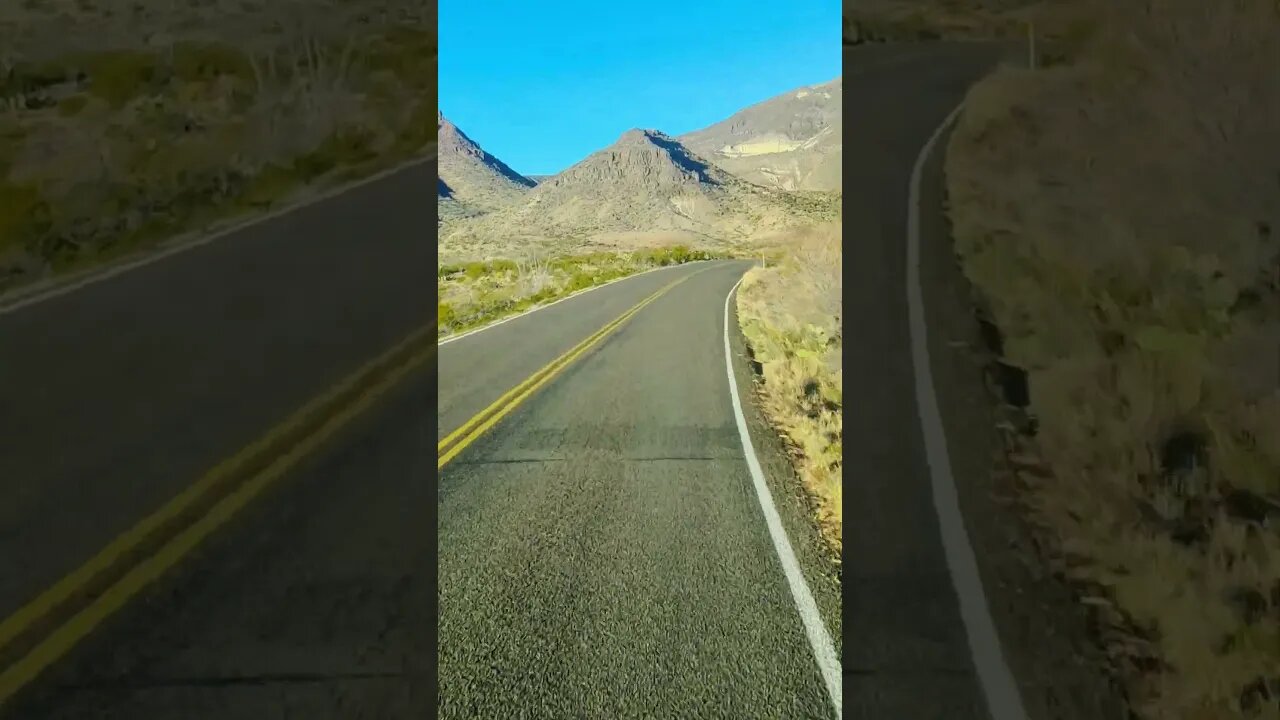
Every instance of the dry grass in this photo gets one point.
(790, 314)
(473, 293)
(123, 124)
(906, 20)
(1059, 25)
(1121, 215)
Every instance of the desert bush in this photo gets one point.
(184, 131)
(1117, 214)
(202, 62)
(482, 291)
(1060, 26)
(72, 106)
(24, 214)
(119, 76)
(445, 315)
(790, 315)
(407, 53)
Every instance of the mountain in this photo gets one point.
(790, 142)
(645, 184)
(471, 177)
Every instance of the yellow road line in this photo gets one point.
(65, 636)
(488, 417)
(82, 623)
(478, 417)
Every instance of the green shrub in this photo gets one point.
(475, 270)
(24, 214)
(27, 78)
(312, 165)
(445, 315)
(207, 61)
(674, 255)
(346, 147)
(119, 76)
(72, 105)
(580, 281)
(268, 186)
(350, 145)
(407, 53)
(418, 131)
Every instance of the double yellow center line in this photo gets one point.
(456, 441)
(49, 626)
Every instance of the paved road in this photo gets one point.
(119, 395)
(908, 656)
(602, 550)
(599, 552)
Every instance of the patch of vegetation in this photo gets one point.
(72, 106)
(1144, 307)
(790, 313)
(1060, 27)
(476, 293)
(201, 62)
(23, 214)
(118, 76)
(194, 132)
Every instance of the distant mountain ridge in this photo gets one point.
(644, 183)
(645, 157)
(470, 175)
(791, 141)
(753, 173)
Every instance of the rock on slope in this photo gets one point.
(646, 182)
(471, 177)
(790, 142)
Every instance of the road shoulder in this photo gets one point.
(821, 571)
(1046, 633)
(191, 238)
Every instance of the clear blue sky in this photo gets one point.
(542, 84)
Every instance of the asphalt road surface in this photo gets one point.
(601, 551)
(908, 654)
(119, 395)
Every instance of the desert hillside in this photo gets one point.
(789, 142)
(471, 176)
(645, 188)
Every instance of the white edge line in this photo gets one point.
(570, 296)
(824, 651)
(1003, 699)
(25, 297)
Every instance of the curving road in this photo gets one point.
(602, 550)
(595, 547)
(911, 654)
(119, 395)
